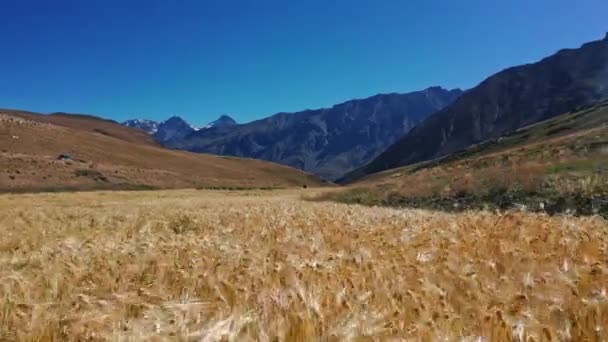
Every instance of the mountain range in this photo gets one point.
(359, 137)
(175, 127)
(511, 99)
(327, 142)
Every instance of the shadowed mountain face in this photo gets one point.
(506, 101)
(222, 121)
(328, 142)
(172, 128)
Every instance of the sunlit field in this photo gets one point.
(269, 266)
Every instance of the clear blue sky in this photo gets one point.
(252, 58)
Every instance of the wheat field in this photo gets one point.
(194, 265)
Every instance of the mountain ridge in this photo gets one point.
(327, 141)
(223, 121)
(175, 126)
(510, 99)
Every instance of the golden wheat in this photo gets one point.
(267, 266)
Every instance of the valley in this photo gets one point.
(472, 212)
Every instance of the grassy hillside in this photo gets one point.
(107, 155)
(556, 165)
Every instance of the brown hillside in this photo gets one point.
(119, 159)
(87, 123)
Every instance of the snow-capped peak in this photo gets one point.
(175, 125)
(149, 126)
(222, 121)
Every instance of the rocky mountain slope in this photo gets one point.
(501, 104)
(554, 166)
(173, 128)
(327, 142)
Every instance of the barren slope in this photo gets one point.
(87, 123)
(116, 158)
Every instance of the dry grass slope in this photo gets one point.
(267, 266)
(109, 156)
(88, 123)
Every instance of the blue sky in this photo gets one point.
(254, 58)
